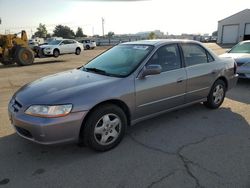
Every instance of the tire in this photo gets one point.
(24, 56)
(78, 51)
(104, 128)
(56, 53)
(87, 47)
(216, 95)
(38, 51)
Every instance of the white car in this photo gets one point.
(63, 46)
(241, 54)
(88, 44)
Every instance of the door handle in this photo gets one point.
(179, 80)
(214, 72)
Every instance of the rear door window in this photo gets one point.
(195, 54)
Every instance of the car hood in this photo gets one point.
(47, 46)
(239, 57)
(236, 55)
(61, 88)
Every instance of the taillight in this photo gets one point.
(235, 67)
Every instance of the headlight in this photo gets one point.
(49, 111)
(247, 64)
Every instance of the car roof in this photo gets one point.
(157, 42)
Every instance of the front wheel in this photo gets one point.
(56, 53)
(104, 128)
(216, 95)
(78, 51)
(24, 56)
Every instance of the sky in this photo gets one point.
(121, 17)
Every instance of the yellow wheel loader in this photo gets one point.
(14, 49)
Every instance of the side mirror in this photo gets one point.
(151, 70)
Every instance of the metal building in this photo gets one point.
(235, 28)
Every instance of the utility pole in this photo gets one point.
(93, 31)
(0, 21)
(102, 26)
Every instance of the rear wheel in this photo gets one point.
(216, 95)
(24, 56)
(87, 47)
(104, 128)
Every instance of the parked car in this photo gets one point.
(59, 47)
(88, 44)
(32, 44)
(205, 38)
(241, 54)
(128, 83)
(213, 39)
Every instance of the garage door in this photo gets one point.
(230, 34)
(247, 29)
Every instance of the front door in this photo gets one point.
(155, 93)
(64, 47)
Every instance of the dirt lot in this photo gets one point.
(192, 147)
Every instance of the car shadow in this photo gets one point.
(241, 92)
(35, 63)
(22, 160)
(176, 128)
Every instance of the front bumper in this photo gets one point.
(243, 71)
(47, 130)
(47, 51)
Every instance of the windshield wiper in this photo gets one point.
(99, 71)
(96, 70)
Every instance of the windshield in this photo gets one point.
(241, 48)
(54, 42)
(120, 60)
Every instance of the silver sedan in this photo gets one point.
(241, 54)
(128, 83)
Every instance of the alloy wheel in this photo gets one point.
(107, 129)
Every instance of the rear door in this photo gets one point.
(163, 91)
(64, 47)
(201, 71)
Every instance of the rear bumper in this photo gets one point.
(48, 131)
(232, 81)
